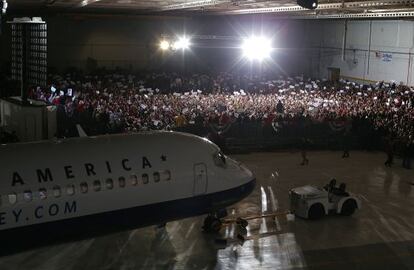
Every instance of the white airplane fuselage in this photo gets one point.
(105, 183)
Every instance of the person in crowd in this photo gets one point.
(122, 102)
(346, 139)
(406, 153)
(279, 107)
(303, 151)
(389, 150)
(180, 120)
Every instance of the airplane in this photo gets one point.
(70, 189)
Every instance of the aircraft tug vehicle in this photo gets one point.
(81, 187)
(312, 202)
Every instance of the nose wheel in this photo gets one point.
(213, 223)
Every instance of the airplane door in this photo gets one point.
(200, 179)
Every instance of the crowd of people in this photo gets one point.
(129, 103)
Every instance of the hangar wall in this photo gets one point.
(111, 41)
(374, 50)
(133, 41)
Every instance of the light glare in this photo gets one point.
(164, 45)
(182, 43)
(257, 48)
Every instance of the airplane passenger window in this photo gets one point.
(57, 192)
(70, 190)
(28, 195)
(145, 178)
(166, 175)
(12, 198)
(42, 193)
(156, 177)
(84, 187)
(97, 185)
(109, 183)
(121, 181)
(134, 180)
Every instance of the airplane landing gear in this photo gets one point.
(212, 224)
(242, 222)
(221, 213)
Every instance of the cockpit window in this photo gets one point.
(220, 159)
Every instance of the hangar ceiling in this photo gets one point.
(282, 8)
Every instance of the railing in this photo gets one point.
(254, 135)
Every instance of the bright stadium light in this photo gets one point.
(4, 5)
(182, 43)
(164, 45)
(257, 48)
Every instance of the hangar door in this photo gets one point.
(200, 179)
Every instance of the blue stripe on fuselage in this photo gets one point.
(22, 238)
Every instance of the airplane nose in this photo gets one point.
(246, 170)
(245, 175)
(250, 179)
(248, 188)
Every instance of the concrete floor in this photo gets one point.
(379, 236)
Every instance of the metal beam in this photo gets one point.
(84, 3)
(363, 15)
(327, 6)
(382, 15)
(204, 37)
(195, 4)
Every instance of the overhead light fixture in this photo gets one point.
(257, 48)
(4, 6)
(164, 45)
(182, 43)
(309, 4)
(195, 4)
(87, 2)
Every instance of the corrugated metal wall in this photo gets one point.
(375, 50)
